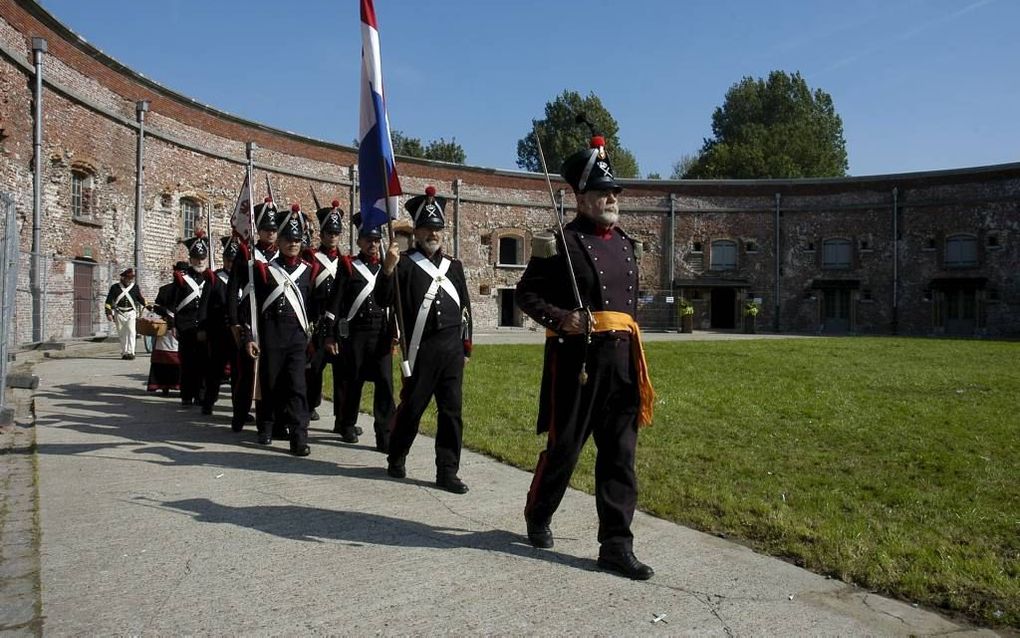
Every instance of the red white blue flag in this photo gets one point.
(377, 169)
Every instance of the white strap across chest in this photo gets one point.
(366, 291)
(196, 291)
(439, 280)
(125, 293)
(224, 277)
(286, 285)
(328, 268)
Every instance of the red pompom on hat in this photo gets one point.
(199, 233)
(295, 208)
(430, 191)
(598, 141)
(336, 203)
(267, 199)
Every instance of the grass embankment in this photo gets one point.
(890, 463)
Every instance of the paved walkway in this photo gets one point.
(156, 520)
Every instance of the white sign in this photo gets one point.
(757, 300)
(669, 299)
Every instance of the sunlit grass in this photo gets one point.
(890, 463)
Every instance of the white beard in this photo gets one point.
(606, 218)
(429, 247)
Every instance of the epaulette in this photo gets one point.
(636, 244)
(544, 244)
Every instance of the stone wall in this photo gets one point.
(194, 152)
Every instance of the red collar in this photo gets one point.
(264, 246)
(332, 253)
(603, 232)
(290, 261)
(365, 259)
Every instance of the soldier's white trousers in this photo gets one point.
(125, 322)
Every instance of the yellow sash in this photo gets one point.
(606, 320)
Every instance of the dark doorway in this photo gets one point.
(84, 299)
(724, 308)
(509, 315)
(836, 310)
(961, 311)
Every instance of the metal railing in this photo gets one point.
(8, 285)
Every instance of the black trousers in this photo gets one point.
(242, 385)
(194, 361)
(364, 357)
(284, 402)
(439, 373)
(221, 352)
(605, 408)
(317, 362)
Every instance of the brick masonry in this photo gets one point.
(197, 153)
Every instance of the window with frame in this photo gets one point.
(82, 194)
(961, 251)
(836, 254)
(511, 251)
(724, 254)
(190, 211)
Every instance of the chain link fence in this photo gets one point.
(659, 311)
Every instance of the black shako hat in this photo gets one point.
(590, 169)
(292, 225)
(198, 246)
(375, 232)
(230, 247)
(265, 215)
(427, 210)
(330, 218)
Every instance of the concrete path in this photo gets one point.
(156, 520)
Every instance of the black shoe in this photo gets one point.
(625, 564)
(539, 534)
(451, 484)
(249, 418)
(265, 438)
(314, 416)
(206, 409)
(300, 450)
(236, 425)
(348, 435)
(395, 468)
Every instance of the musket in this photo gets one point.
(315, 199)
(590, 320)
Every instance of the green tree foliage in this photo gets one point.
(562, 135)
(683, 165)
(445, 151)
(774, 128)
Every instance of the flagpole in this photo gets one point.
(405, 365)
(252, 305)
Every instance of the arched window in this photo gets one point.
(724, 254)
(511, 250)
(82, 194)
(190, 212)
(961, 251)
(836, 254)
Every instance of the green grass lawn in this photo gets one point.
(890, 463)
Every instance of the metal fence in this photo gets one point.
(659, 311)
(8, 285)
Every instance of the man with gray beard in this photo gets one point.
(594, 381)
(436, 313)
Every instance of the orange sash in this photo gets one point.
(606, 320)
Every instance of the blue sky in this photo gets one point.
(920, 84)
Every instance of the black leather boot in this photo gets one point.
(624, 563)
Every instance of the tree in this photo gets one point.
(440, 149)
(774, 128)
(562, 135)
(445, 151)
(683, 165)
(653, 175)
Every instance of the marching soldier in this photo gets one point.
(282, 288)
(122, 304)
(189, 311)
(328, 258)
(595, 381)
(363, 335)
(437, 317)
(239, 309)
(222, 349)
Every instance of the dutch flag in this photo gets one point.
(376, 167)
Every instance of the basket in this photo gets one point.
(150, 327)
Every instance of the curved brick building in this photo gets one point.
(923, 253)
